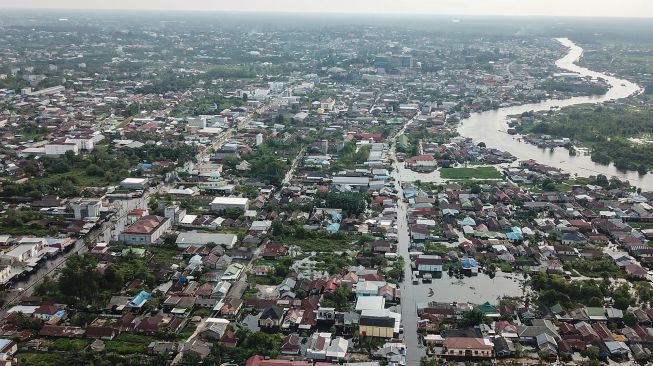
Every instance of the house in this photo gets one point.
(573, 238)
(317, 348)
(215, 329)
(547, 345)
(100, 332)
(291, 345)
(228, 339)
(59, 331)
(504, 347)
(261, 361)
(194, 238)
(145, 231)
(431, 264)
(220, 290)
(271, 317)
(47, 312)
(379, 323)
(337, 350)
(617, 349)
(274, 251)
(467, 348)
(370, 303)
(7, 349)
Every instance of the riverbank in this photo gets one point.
(491, 127)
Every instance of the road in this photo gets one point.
(414, 351)
(227, 134)
(106, 232)
(290, 172)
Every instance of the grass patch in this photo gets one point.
(480, 173)
(69, 345)
(127, 343)
(189, 330)
(320, 244)
(40, 359)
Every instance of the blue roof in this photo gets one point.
(467, 221)
(336, 217)
(4, 342)
(333, 228)
(469, 263)
(516, 229)
(514, 236)
(140, 299)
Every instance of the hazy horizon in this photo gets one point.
(575, 8)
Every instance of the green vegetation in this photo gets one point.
(606, 130)
(23, 222)
(81, 284)
(480, 173)
(68, 345)
(256, 343)
(271, 160)
(211, 104)
(350, 202)
(41, 359)
(126, 343)
(338, 299)
(320, 242)
(552, 289)
(396, 273)
(66, 175)
(473, 318)
(576, 88)
(350, 156)
(604, 267)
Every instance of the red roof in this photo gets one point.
(145, 225)
(466, 343)
(260, 361)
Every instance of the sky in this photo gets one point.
(597, 8)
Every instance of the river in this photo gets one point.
(491, 126)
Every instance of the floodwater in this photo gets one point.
(491, 126)
(476, 290)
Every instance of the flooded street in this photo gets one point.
(476, 290)
(490, 127)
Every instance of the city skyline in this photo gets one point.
(585, 8)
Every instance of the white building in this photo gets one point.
(223, 203)
(86, 143)
(145, 231)
(194, 238)
(85, 208)
(134, 183)
(57, 149)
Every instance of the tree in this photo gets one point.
(338, 299)
(277, 227)
(171, 240)
(79, 281)
(473, 318)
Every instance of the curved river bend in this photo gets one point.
(490, 127)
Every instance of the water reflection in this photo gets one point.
(491, 127)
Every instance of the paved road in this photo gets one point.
(291, 171)
(414, 351)
(106, 232)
